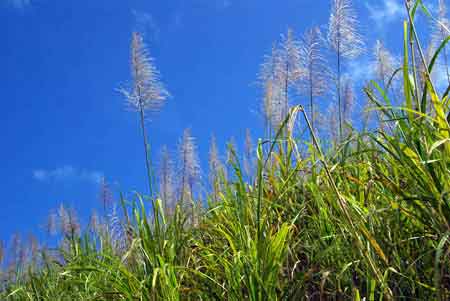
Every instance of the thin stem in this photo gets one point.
(311, 94)
(146, 150)
(144, 133)
(193, 205)
(311, 103)
(422, 56)
(149, 171)
(286, 91)
(339, 90)
(413, 57)
(183, 177)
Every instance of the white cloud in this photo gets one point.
(67, 172)
(388, 11)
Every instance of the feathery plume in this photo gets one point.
(279, 73)
(74, 223)
(384, 65)
(349, 100)
(51, 225)
(34, 249)
(94, 222)
(166, 181)
(343, 36)
(117, 232)
(267, 107)
(68, 221)
(17, 252)
(271, 81)
(291, 70)
(63, 216)
(442, 23)
(316, 73)
(441, 31)
(105, 194)
(248, 152)
(344, 40)
(189, 171)
(330, 123)
(215, 164)
(148, 93)
(230, 158)
(288, 69)
(216, 167)
(2, 252)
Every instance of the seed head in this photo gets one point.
(280, 72)
(384, 65)
(343, 36)
(248, 152)
(314, 64)
(94, 222)
(442, 24)
(68, 221)
(2, 252)
(349, 99)
(116, 232)
(33, 248)
(189, 170)
(51, 226)
(147, 93)
(166, 182)
(105, 194)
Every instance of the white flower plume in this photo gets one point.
(148, 93)
(385, 63)
(280, 72)
(343, 35)
(166, 180)
(189, 171)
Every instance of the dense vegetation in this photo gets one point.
(365, 215)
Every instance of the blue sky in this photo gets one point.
(64, 125)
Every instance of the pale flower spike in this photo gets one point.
(148, 92)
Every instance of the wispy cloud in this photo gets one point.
(226, 3)
(385, 12)
(218, 4)
(361, 70)
(180, 15)
(146, 24)
(67, 173)
(19, 4)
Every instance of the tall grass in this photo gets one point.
(368, 218)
